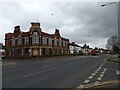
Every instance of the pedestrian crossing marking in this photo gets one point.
(118, 72)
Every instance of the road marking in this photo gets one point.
(101, 75)
(71, 63)
(93, 74)
(102, 64)
(96, 83)
(99, 78)
(46, 66)
(103, 72)
(40, 72)
(105, 69)
(87, 81)
(6, 64)
(118, 72)
(90, 77)
(96, 72)
(81, 86)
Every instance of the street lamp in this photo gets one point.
(118, 18)
(107, 4)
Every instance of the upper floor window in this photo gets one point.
(55, 41)
(19, 40)
(66, 44)
(50, 41)
(63, 43)
(44, 40)
(13, 41)
(60, 43)
(27, 40)
(35, 38)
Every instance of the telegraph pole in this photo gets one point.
(118, 15)
(118, 21)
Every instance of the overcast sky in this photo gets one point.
(81, 22)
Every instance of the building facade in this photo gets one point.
(74, 48)
(34, 43)
(2, 51)
(86, 49)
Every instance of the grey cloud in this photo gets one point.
(78, 21)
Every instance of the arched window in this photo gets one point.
(35, 38)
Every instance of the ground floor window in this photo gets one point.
(50, 51)
(19, 51)
(26, 51)
(13, 52)
(60, 51)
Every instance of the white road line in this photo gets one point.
(87, 81)
(90, 77)
(96, 72)
(99, 78)
(81, 86)
(101, 75)
(102, 64)
(118, 72)
(103, 72)
(93, 74)
(40, 72)
(46, 66)
(96, 83)
(105, 69)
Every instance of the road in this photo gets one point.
(67, 72)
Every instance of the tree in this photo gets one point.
(112, 44)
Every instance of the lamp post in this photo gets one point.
(118, 21)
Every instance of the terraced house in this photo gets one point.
(34, 43)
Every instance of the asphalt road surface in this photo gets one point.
(67, 72)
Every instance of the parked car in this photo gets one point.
(93, 52)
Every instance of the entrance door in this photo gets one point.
(43, 51)
(35, 52)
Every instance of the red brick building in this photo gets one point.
(35, 42)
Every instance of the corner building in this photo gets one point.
(34, 43)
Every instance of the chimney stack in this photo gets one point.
(73, 43)
(57, 31)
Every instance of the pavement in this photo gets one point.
(114, 58)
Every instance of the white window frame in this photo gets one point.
(13, 41)
(19, 40)
(50, 41)
(60, 43)
(55, 42)
(27, 40)
(44, 40)
(35, 38)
